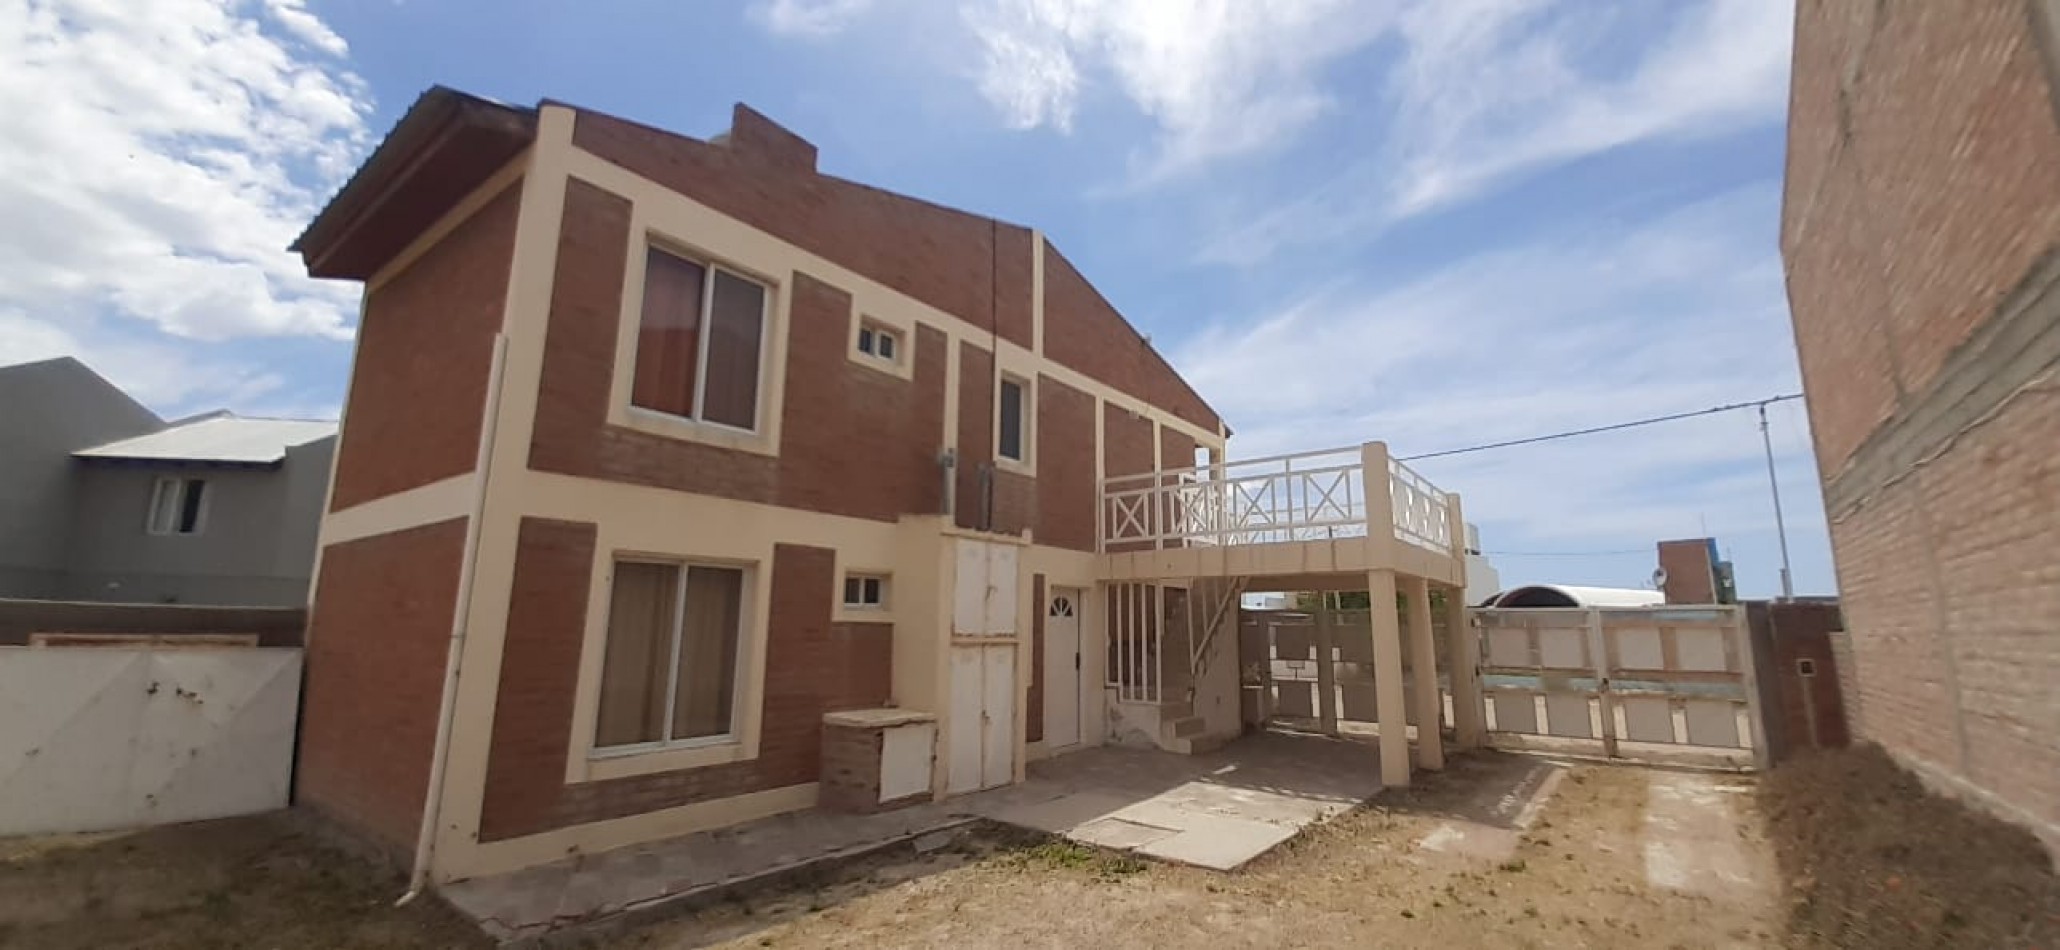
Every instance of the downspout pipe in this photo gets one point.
(439, 762)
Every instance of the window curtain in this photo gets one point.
(668, 334)
(708, 652)
(736, 325)
(633, 682)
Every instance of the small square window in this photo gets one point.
(865, 591)
(879, 342)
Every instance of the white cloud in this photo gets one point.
(1486, 92)
(808, 18)
(170, 376)
(1217, 77)
(1578, 329)
(160, 156)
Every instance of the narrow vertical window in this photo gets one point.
(1010, 442)
(669, 335)
(736, 324)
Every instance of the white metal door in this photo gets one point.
(969, 589)
(998, 725)
(968, 707)
(1001, 590)
(1062, 668)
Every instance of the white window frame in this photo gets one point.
(883, 590)
(174, 487)
(707, 326)
(872, 334)
(1026, 426)
(679, 609)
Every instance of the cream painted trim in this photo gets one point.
(429, 504)
(725, 238)
(903, 365)
(525, 317)
(499, 857)
(487, 191)
(660, 538)
(650, 227)
(1037, 291)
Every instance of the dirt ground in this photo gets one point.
(260, 883)
(1615, 857)
(1578, 877)
(1873, 861)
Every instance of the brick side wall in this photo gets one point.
(1803, 712)
(963, 264)
(1920, 223)
(813, 666)
(1691, 575)
(1066, 499)
(1015, 494)
(1083, 332)
(377, 642)
(425, 350)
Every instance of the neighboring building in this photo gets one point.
(1921, 234)
(100, 500)
(658, 450)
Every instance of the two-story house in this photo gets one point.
(101, 500)
(658, 449)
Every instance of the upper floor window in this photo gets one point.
(699, 340)
(1009, 434)
(879, 342)
(177, 506)
(867, 591)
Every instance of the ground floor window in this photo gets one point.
(669, 673)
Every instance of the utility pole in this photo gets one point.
(1780, 526)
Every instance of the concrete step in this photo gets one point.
(1196, 745)
(1188, 726)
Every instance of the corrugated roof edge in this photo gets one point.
(437, 107)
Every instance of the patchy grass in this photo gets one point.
(264, 882)
(1875, 861)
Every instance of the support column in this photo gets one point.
(1326, 667)
(1463, 651)
(1390, 708)
(1423, 660)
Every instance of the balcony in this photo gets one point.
(1288, 518)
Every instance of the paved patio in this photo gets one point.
(1218, 810)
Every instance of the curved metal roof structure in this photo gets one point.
(1564, 595)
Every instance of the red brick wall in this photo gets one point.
(1126, 450)
(1083, 332)
(377, 642)
(813, 666)
(425, 350)
(1691, 575)
(1922, 184)
(965, 265)
(1066, 490)
(1923, 197)
(1810, 711)
(854, 441)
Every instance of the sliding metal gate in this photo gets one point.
(1632, 682)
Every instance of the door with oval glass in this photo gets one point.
(1062, 668)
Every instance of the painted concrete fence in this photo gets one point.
(97, 738)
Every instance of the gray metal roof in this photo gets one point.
(220, 437)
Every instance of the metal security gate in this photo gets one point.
(1313, 670)
(1633, 682)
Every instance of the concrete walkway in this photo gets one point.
(1218, 810)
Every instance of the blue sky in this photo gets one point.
(1434, 222)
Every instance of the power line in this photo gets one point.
(1713, 410)
(1564, 553)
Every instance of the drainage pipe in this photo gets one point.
(439, 761)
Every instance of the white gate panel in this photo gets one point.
(1566, 714)
(998, 727)
(1647, 718)
(969, 588)
(1000, 605)
(963, 748)
(95, 738)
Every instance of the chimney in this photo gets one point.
(761, 139)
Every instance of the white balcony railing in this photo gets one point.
(1311, 496)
